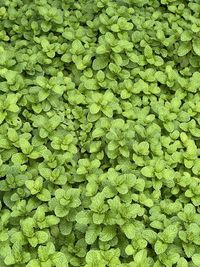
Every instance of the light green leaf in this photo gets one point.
(160, 247)
(148, 51)
(61, 211)
(98, 218)
(93, 257)
(183, 49)
(107, 233)
(196, 46)
(59, 89)
(60, 260)
(97, 133)
(2, 116)
(83, 217)
(44, 195)
(77, 47)
(12, 135)
(147, 171)
(91, 84)
(42, 237)
(196, 259)
(33, 263)
(141, 256)
(92, 233)
(129, 230)
(108, 111)
(182, 262)
(102, 49)
(100, 63)
(129, 250)
(41, 81)
(52, 220)
(186, 36)
(94, 108)
(42, 95)
(3, 236)
(25, 146)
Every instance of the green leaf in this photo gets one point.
(54, 121)
(42, 237)
(147, 171)
(41, 81)
(133, 57)
(3, 236)
(59, 193)
(33, 263)
(29, 184)
(42, 95)
(107, 234)
(182, 262)
(94, 258)
(100, 63)
(12, 135)
(110, 38)
(196, 259)
(2, 116)
(10, 260)
(111, 257)
(196, 46)
(97, 133)
(60, 260)
(61, 211)
(149, 235)
(91, 84)
(129, 250)
(148, 51)
(102, 49)
(67, 57)
(52, 220)
(25, 146)
(169, 234)
(4, 143)
(139, 86)
(27, 226)
(10, 103)
(112, 145)
(114, 68)
(115, 28)
(183, 49)
(65, 227)
(83, 217)
(100, 76)
(186, 36)
(92, 233)
(160, 247)
(45, 172)
(44, 195)
(129, 230)
(77, 47)
(141, 256)
(122, 189)
(94, 108)
(189, 249)
(98, 218)
(59, 89)
(108, 111)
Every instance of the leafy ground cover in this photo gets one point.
(99, 133)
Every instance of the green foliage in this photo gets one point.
(99, 133)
